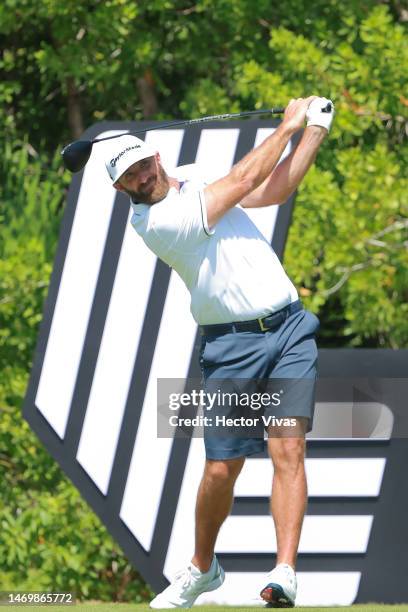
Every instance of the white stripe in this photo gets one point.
(320, 534)
(215, 153)
(75, 294)
(242, 588)
(120, 339)
(325, 477)
(177, 333)
(181, 544)
(168, 143)
(345, 477)
(150, 455)
(314, 589)
(327, 588)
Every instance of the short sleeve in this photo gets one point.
(180, 221)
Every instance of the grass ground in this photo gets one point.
(116, 607)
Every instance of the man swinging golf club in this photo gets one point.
(253, 325)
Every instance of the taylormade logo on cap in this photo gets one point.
(123, 152)
(115, 159)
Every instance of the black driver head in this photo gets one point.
(76, 154)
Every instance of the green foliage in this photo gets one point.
(347, 248)
(31, 198)
(50, 540)
(350, 244)
(32, 194)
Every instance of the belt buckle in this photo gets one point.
(261, 324)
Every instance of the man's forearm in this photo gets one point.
(246, 175)
(259, 163)
(287, 176)
(249, 173)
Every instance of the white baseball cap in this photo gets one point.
(123, 152)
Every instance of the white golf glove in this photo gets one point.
(315, 115)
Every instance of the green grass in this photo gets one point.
(128, 607)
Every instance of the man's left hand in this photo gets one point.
(315, 115)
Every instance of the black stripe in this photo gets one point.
(138, 385)
(282, 224)
(284, 216)
(142, 366)
(335, 449)
(180, 449)
(317, 506)
(346, 449)
(313, 562)
(96, 323)
(175, 473)
(362, 363)
(246, 140)
(189, 147)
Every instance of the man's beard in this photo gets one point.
(152, 196)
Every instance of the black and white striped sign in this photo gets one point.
(116, 320)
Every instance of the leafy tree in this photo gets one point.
(50, 540)
(347, 244)
(65, 65)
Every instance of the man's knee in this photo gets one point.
(287, 454)
(223, 471)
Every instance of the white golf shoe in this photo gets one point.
(187, 585)
(280, 590)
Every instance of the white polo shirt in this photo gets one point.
(231, 270)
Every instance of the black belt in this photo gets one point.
(263, 324)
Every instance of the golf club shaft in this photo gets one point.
(76, 154)
(270, 111)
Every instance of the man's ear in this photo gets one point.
(118, 186)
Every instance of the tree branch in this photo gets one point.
(397, 225)
(145, 86)
(74, 108)
(346, 275)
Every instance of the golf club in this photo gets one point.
(76, 154)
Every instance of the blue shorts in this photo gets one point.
(285, 352)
